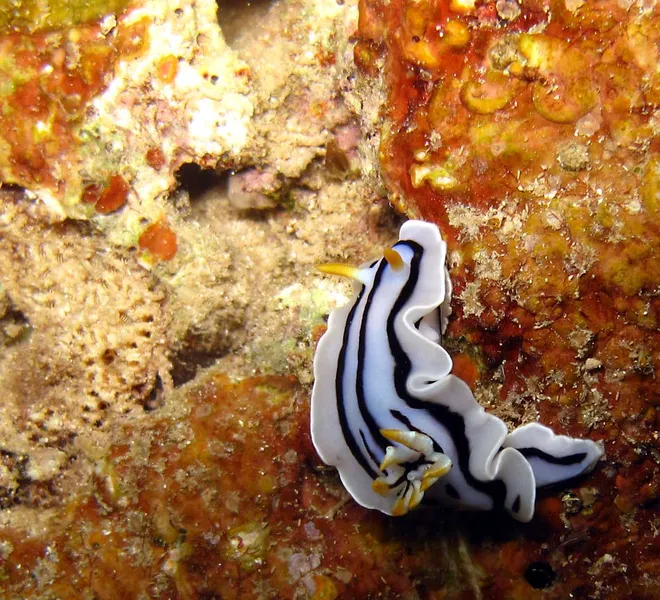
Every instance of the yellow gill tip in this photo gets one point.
(427, 483)
(388, 459)
(399, 509)
(380, 487)
(405, 438)
(439, 469)
(386, 462)
(416, 498)
(394, 435)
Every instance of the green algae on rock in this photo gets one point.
(39, 15)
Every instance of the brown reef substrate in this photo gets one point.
(223, 496)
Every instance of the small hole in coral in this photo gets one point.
(108, 357)
(196, 180)
(12, 187)
(540, 575)
(65, 441)
(154, 399)
(237, 17)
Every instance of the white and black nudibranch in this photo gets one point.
(387, 412)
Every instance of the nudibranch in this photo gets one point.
(394, 421)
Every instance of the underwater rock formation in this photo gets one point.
(167, 469)
(100, 114)
(529, 137)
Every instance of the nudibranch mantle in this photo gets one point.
(394, 421)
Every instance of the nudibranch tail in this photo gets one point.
(389, 415)
(553, 458)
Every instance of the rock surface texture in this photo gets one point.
(171, 172)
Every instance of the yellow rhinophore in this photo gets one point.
(393, 258)
(341, 269)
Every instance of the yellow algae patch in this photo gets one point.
(37, 15)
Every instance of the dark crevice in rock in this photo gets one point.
(235, 16)
(197, 181)
(198, 351)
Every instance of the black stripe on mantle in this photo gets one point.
(453, 422)
(350, 440)
(569, 459)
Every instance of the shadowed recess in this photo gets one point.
(540, 575)
(197, 181)
(237, 16)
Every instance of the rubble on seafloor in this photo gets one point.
(172, 172)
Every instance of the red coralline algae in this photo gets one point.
(114, 196)
(53, 76)
(155, 158)
(159, 240)
(92, 193)
(109, 197)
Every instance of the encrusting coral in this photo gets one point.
(91, 308)
(92, 342)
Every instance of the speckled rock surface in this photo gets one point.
(224, 498)
(178, 170)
